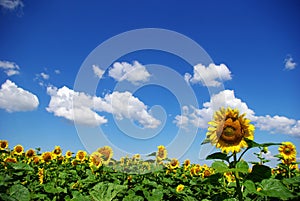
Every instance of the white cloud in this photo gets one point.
(211, 76)
(10, 68)
(98, 71)
(226, 98)
(136, 73)
(289, 63)
(187, 77)
(16, 99)
(125, 105)
(65, 102)
(44, 76)
(57, 71)
(278, 124)
(11, 4)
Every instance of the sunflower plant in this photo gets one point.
(233, 134)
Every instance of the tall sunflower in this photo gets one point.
(47, 156)
(3, 144)
(106, 153)
(287, 150)
(228, 130)
(30, 153)
(96, 159)
(18, 149)
(57, 152)
(161, 153)
(81, 155)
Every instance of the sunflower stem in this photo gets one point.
(238, 185)
(241, 155)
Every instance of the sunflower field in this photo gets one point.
(34, 175)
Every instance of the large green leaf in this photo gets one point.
(155, 195)
(260, 172)
(106, 191)
(220, 166)
(217, 155)
(274, 188)
(19, 192)
(242, 166)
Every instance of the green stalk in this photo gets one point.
(238, 185)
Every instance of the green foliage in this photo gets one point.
(228, 178)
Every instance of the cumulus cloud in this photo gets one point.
(135, 73)
(289, 63)
(98, 71)
(66, 103)
(11, 4)
(211, 76)
(199, 117)
(10, 68)
(57, 71)
(16, 99)
(278, 124)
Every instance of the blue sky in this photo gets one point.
(253, 48)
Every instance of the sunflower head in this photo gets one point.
(195, 170)
(161, 153)
(96, 159)
(69, 154)
(30, 153)
(287, 150)
(186, 164)
(10, 160)
(179, 188)
(174, 163)
(47, 156)
(57, 151)
(18, 149)
(136, 157)
(81, 155)
(3, 144)
(106, 153)
(228, 130)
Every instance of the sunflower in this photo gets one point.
(186, 164)
(229, 129)
(136, 157)
(30, 153)
(287, 150)
(96, 159)
(36, 159)
(179, 188)
(69, 154)
(3, 144)
(10, 160)
(47, 156)
(195, 170)
(18, 149)
(106, 153)
(174, 163)
(41, 175)
(57, 151)
(80, 156)
(161, 153)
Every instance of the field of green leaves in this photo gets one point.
(34, 175)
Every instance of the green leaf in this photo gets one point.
(250, 186)
(220, 166)
(242, 166)
(260, 172)
(19, 192)
(106, 192)
(217, 155)
(270, 144)
(205, 141)
(274, 188)
(152, 154)
(155, 195)
(251, 143)
(21, 166)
